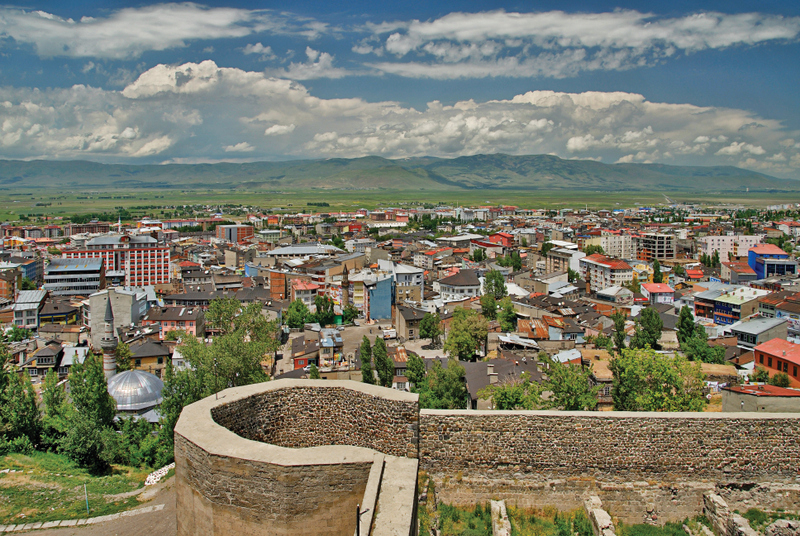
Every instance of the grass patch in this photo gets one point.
(670, 529)
(48, 487)
(759, 519)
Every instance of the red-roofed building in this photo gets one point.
(737, 272)
(504, 239)
(658, 293)
(603, 272)
(694, 274)
(779, 355)
(765, 398)
(304, 291)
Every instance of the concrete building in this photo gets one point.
(188, 319)
(735, 245)
(75, 277)
(409, 280)
(658, 293)
(737, 273)
(768, 260)
(129, 306)
(235, 233)
(765, 398)
(137, 258)
(652, 246)
(758, 331)
(603, 272)
(778, 355)
(563, 259)
(26, 308)
(465, 284)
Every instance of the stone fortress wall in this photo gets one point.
(295, 455)
(644, 466)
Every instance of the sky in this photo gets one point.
(680, 82)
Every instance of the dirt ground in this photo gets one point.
(159, 523)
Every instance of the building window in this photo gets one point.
(138, 362)
(769, 361)
(160, 360)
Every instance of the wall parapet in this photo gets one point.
(227, 483)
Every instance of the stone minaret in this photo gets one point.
(109, 343)
(345, 289)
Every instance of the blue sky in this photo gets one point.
(696, 83)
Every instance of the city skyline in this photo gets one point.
(679, 83)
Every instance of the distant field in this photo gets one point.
(64, 203)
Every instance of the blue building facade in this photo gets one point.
(381, 298)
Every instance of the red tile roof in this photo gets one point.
(764, 390)
(767, 249)
(781, 348)
(658, 288)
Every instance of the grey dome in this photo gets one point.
(135, 390)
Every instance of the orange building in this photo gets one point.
(778, 355)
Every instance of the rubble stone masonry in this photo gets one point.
(644, 466)
(288, 456)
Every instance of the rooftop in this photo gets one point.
(781, 348)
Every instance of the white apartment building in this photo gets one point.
(736, 245)
(603, 272)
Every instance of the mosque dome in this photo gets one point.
(135, 390)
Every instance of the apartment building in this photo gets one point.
(602, 272)
(139, 259)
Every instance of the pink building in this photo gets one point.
(177, 318)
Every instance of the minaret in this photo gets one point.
(109, 343)
(345, 289)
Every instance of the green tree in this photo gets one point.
(222, 314)
(686, 325)
(478, 255)
(780, 379)
(523, 242)
(494, 284)
(634, 285)
(648, 330)
(27, 284)
(337, 241)
(384, 366)
(124, 356)
(760, 375)
(572, 275)
(415, 369)
(349, 313)
(679, 270)
(698, 349)
(297, 315)
(89, 392)
(468, 330)
(443, 388)
(606, 343)
(20, 421)
(570, 387)
(430, 327)
(519, 393)
(313, 372)
(489, 306)
(507, 315)
(324, 315)
(658, 277)
(647, 381)
(366, 362)
(90, 439)
(17, 334)
(591, 249)
(715, 258)
(545, 249)
(619, 330)
(54, 425)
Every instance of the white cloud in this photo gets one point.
(559, 44)
(319, 65)
(279, 130)
(200, 111)
(257, 48)
(131, 31)
(242, 147)
(739, 148)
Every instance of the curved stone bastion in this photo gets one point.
(296, 457)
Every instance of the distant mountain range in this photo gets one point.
(497, 171)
